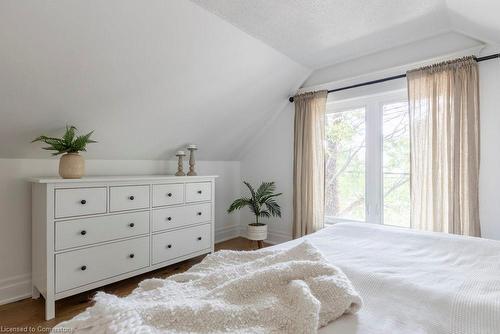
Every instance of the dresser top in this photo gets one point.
(120, 178)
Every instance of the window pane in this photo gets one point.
(396, 164)
(345, 164)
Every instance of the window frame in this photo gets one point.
(374, 174)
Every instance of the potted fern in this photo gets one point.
(262, 204)
(71, 164)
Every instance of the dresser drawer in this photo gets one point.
(168, 194)
(79, 201)
(86, 231)
(199, 191)
(168, 218)
(123, 198)
(169, 245)
(81, 267)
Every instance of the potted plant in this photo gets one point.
(262, 204)
(71, 164)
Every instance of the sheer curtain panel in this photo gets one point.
(309, 163)
(444, 135)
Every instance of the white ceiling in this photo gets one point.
(361, 69)
(318, 33)
(148, 77)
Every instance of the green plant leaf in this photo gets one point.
(273, 208)
(43, 138)
(264, 214)
(68, 143)
(255, 202)
(81, 142)
(56, 144)
(69, 135)
(264, 196)
(264, 199)
(239, 203)
(252, 191)
(265, 189)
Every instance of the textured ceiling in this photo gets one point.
(318, 33)
(148, 77)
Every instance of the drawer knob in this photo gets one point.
(199, 191)
(131, 255)
(199, 238)
(131, 198)
(169, 246)
(83, 232)
(131, 224)
(169, 194)
(83, 268)
(199, 213)
(83, 202)
(169, 218)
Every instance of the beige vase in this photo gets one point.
(71, 166)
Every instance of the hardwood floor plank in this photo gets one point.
(30, 312)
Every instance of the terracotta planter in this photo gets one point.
(71, 166)
(257, 232)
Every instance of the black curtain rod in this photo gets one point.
(367, 83)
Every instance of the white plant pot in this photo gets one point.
(257, 232)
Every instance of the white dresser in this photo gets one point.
(97, 230)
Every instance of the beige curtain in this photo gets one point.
(444, 135)
(309, 163)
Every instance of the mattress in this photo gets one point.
(414, 282)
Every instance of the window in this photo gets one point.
(345, 164)
(367, 174)
(396, 164)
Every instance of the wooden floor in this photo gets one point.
(30, 312)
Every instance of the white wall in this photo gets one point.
(489, 173)
(271, 157)
(15, 207)
(400, 56)
(152, 76)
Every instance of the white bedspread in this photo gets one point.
(414, 282)
(269, 291)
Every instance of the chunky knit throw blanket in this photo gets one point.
(265, 291)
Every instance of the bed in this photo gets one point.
(413, 282)
(410, 282)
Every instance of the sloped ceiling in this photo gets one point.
(152, 76)
(443, 44)
(320, 33)
(148, 76)
(477, 18)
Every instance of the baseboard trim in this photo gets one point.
(227, 233)
(15, 288)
